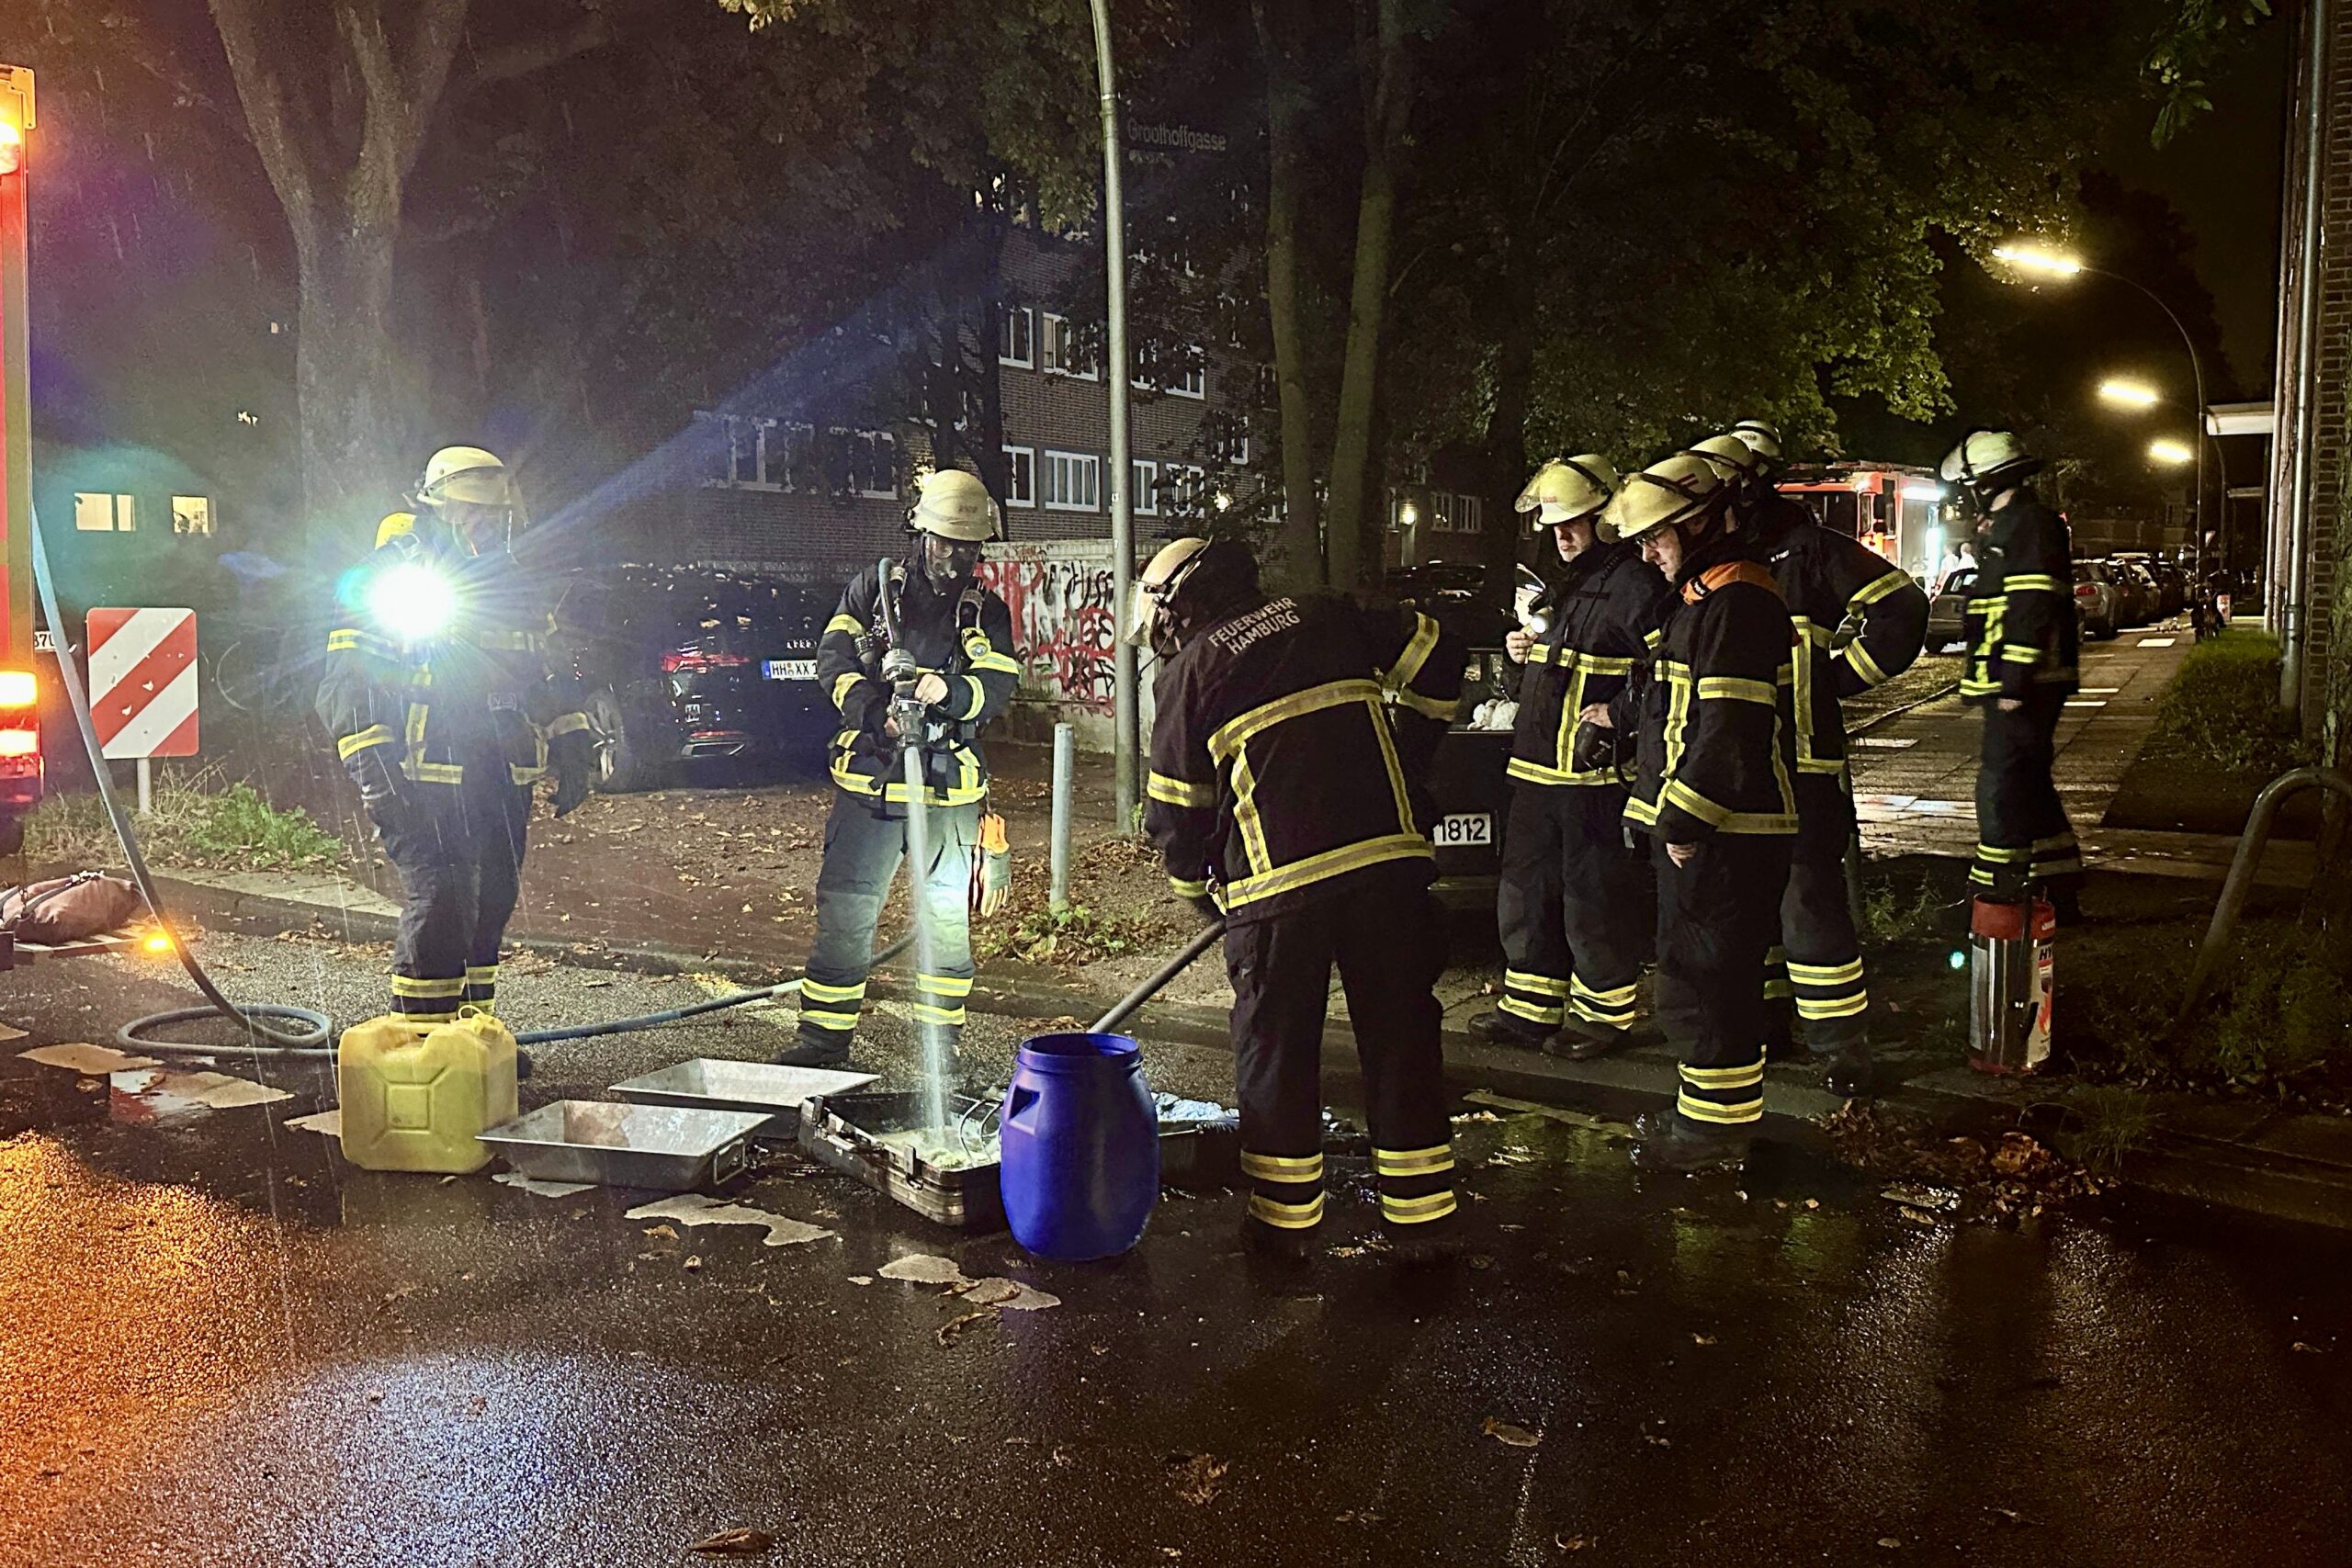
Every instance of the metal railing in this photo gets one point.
(2239, 885)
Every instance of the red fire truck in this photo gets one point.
(20, 745)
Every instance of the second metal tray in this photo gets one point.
(714, 1083)
(668, 1149)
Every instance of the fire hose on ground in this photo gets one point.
(264, 1023)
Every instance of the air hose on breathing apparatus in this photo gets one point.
(264, 1022)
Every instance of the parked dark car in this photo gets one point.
(2169, 587)
(2141, 597)
(690, 665)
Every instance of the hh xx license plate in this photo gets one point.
(789, 669)
(1464, 829)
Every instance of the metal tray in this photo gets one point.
(712, 1083)
(845, 1132)
(668, 1149)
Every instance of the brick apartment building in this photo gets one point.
(2313, 426)
(809, 497)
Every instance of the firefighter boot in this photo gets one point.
(814, 1053)
(1846, 1070)
(1283, 1248)
(1500, 1028)
(1670, 1141)
(1581, 1038)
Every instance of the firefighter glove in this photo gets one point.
(574, 759)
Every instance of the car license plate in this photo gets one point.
(1465, 829)
(789, 669)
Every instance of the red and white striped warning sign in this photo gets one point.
(143, 682)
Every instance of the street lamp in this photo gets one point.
(2128, 394)
(2171, 454)
(2028, 257)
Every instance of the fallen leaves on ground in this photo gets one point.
(738, 1542)
(952, 1329)
(2019, 1177)
(1575, 1542)
(1199, 1477)
(1509, 1435)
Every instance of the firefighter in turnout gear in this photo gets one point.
(445, 712)
(958, 635)
(1716, 793)
(1571, 958)
(1835, 587)
(1288, 756)
(2020, 668)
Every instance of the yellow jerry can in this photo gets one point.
(417, 1097)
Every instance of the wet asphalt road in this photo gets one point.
(223, 1345)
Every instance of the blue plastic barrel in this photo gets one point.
(1082, 1146)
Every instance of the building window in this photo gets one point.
(1065, 354)
(1186, 485)
(1192, 380)
(1144, 495)
(1231, 448)
(1016, 337)
(192, 515)
(1020, 476)
(1451, 514)
(102, 514)
(1073, 483)
(865, 462)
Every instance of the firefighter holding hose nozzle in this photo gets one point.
(1289, 755)
(445, 712)
(954, 659)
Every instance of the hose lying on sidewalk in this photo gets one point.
(262, 1021)
(264, 1037)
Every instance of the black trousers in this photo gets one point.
(1716, 918)
(1380, 933)
(2023, 840)
(1571, 906)
(458, 849)
(862, 856)
(1816, 970)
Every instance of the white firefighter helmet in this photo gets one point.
(1731, 457)
(1988, 460)
(1673, 489)
(1762, 434)
(473, 475)
(954, 504)
(1569, 488)
(1148, 599)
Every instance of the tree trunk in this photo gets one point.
(355, 459)
(1300, 542)
(1354, 508)
(1505, 442)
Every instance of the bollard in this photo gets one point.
(1065, 766)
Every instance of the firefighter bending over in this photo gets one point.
(2022, 640)
(957, 639)
(1831, 582)
(1714, 791)
(1574, 942)
(445, 711)
(1288, 758)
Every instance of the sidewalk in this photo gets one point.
(2238, 1154)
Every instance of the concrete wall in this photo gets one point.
(1064, 630)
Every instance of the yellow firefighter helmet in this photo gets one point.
(954, 504)
(1674, 490)
(1569, 488)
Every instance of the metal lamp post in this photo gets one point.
(2054, 264)
(1124, 712)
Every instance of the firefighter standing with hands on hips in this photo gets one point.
(445, 712)
(1289, 755)
(2022, 643)
(957, 637)
(1717, 754)
(1571, 956)
(1829, 581)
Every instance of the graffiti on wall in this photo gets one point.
(1065, 623)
